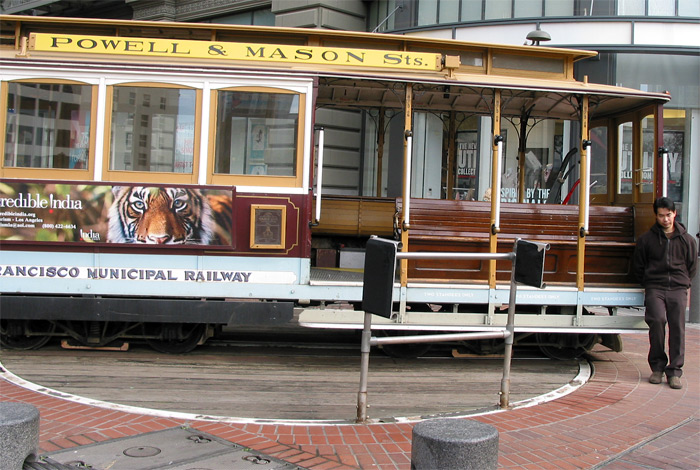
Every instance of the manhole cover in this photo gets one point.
(141, 451)
(172, 449)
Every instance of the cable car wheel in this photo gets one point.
(25, 334)
(174, 338)
(403, 351)
(565, 346)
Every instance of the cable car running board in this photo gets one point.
(346, 319)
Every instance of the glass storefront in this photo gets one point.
(677, 74)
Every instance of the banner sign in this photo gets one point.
(277, 53)
(15, 271)
(80, 213)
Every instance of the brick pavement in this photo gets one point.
(615, 421)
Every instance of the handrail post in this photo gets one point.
(364, 369)
(319, 174)
(382, 269)
(663, 152)
(510, 327)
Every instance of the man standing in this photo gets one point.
(665, 261)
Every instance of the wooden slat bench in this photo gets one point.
(464, 226)
(355, 216)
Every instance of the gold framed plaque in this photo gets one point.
(268, 226)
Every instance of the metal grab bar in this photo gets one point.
(664, 171)
(407, 183)
(319, 174)
(437, 338)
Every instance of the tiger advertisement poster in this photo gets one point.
(124, 214)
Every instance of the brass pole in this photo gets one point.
(406, 180)
(495, 191)
(583, 201)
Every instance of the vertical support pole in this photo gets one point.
(408, 170)
(583, 193)
(380, 151)
(364, 369)
(319, 173)
(204, 160)
(104, 95)
(496, 213)
(451, 157)
(510, 327)
(408, 125)
(522, 164)
(637, 162)
(664, 171)
(661, 188)
(495, 185)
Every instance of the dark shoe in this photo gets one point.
(675, 382)
(655, 377)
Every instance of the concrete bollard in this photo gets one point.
(19, 434)
(448, 444)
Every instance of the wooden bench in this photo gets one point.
(355, 216)
(464, 226)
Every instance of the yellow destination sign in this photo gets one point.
(274, 53)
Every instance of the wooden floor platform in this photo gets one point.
(286, 383)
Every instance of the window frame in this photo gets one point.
(151, 176)
(610, 163)
(295, 181)
(81, 174)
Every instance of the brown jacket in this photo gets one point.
(665, 263)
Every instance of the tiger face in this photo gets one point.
(159, 216)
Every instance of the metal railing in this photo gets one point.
(506, 332)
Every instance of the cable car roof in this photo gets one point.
(534, 79)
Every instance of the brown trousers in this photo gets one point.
(666, 307)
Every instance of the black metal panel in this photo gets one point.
(144, 310)
(380, 266)
(529, 263)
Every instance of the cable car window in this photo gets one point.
(599, 160)
(47, 125)
(624, 159)
(256, 133)
(647, 185)
(153, 129)
(466, 166)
